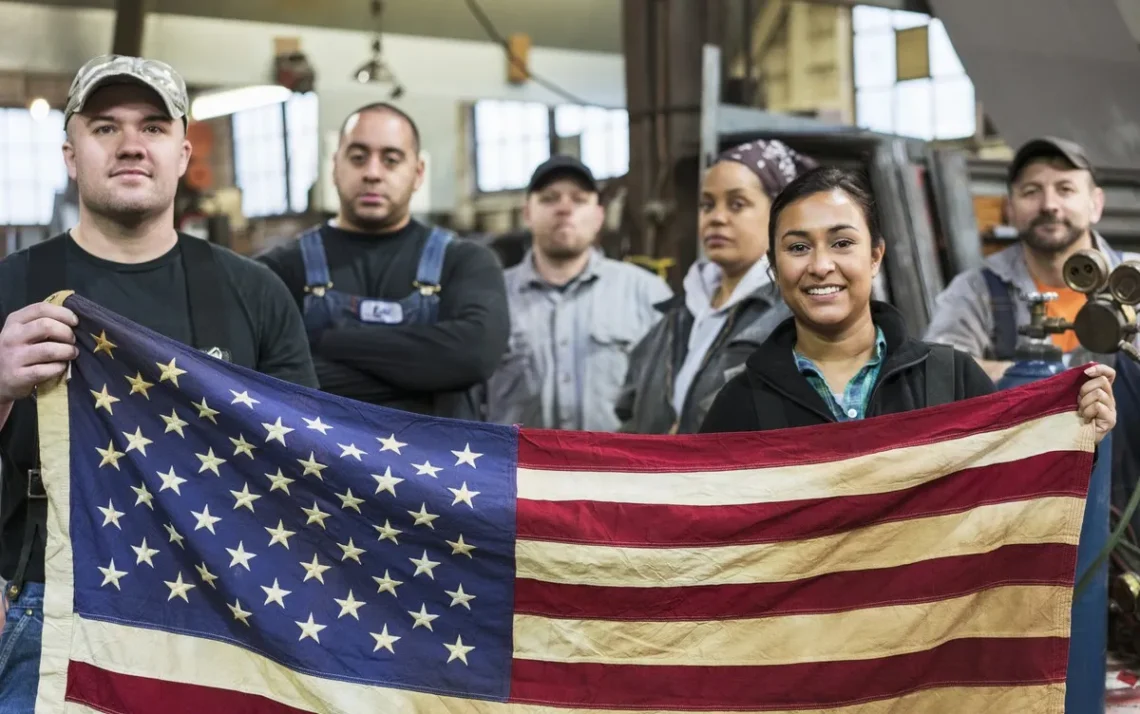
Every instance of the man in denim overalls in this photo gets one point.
(398, 313)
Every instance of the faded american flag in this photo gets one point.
(223, 541)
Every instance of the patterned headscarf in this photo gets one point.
(775, 163)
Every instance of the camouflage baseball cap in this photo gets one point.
(118, 69)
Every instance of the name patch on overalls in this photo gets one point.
(381, 311)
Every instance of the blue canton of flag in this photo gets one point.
(340, 540)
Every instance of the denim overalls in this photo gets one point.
(327, 307)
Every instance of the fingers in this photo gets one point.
(37, 373)
(1101, 370)
(46, 352)
(1091, 385)
(46, 329)
(41, 310)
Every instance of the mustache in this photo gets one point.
(1045, 220)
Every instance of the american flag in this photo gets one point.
(221, 541)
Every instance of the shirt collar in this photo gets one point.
(531, 278)
(806, 366)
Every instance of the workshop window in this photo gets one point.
(276, 156)
(513, 138)
(908, 78)
(32, 171)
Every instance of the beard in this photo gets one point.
(124, 209)
(1057, 243)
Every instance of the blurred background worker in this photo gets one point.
(1054, 202)
(575, 314)
(730, 303)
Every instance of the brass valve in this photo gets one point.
(1040, 324)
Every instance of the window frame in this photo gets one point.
(287, 160)
(57, 115)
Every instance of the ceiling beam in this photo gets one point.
(912, 5)
(130, 16)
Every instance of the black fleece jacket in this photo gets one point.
(772, 394)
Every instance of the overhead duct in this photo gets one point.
(130, 18)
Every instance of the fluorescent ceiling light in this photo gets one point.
(217, 104)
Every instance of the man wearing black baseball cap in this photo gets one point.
(1054, 202)
(575, 314)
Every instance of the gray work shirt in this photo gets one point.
(569, 346)
(963, 314)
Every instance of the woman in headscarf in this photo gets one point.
(729, 304)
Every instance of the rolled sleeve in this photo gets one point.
(963, 316)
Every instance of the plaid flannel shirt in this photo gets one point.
(852, 404)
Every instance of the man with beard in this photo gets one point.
(126, 149)
(399, 313)
(575, 314)
(1053, 203)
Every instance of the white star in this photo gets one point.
(241, 446)
(280, 482)
(312, 467)
(239, 614)
(349, 606)
(244, 498)
(350, 551)
(386, 531)
(315, 570)
(390, 444)
(170, 372)
(423, 619)
(243, 398)
(316, 425)
(384, 640)
(206, 575)
(110, 456)
(144, 553)
(144, 496)
(276, 432)
(316, 515)
(387, 584)
(205, 412)
(458, 597)
(424, 565)
(458, 650)
(170, 480)
(110, 575)
(103, 400)
(102, 344)
(179, 588)
(205, 520)
(426, 469)
(347, 500)
(275, 594)
(240, 557)
(174, 536)
(458, 547)
(387, 482)
(110, 515)
(139, 385)
(210, 462)
(423, 518)
(280, 535)
(311, 629)
(462, 495)
(467, 456)
(137, 441)
(174, 423)
(350, 450)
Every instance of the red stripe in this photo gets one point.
(126, 694)
(588, 451)
(925, 581)
(638, 525)
(974, 662)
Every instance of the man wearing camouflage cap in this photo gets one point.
(126, 149)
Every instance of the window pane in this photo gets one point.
(506, 153)
(944, 60)
(866, 17)
(488, 121)
(259, 160)
(874, 110)
(914, 109)
(304, 148)
(568, 120)
(955, 110)
(31, 166)
(488, 170)
(874, 60)
(903, 19)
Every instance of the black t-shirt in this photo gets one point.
(264, 326)
(404, 366)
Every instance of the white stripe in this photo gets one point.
(882, 472)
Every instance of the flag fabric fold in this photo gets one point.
(223, 541)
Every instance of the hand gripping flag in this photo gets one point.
(220, 541)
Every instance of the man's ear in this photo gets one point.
(69, 157)
(420, 167)
(184, 159)
(1097, 205)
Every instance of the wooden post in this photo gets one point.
(130, 18)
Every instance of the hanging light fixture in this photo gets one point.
(375, 70)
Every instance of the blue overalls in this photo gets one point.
(326, 307)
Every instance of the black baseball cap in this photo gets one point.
(1049, 146)
(561, 166)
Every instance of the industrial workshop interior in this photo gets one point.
(539, 270)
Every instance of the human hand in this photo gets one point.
(36, 344)
(1096, 403)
